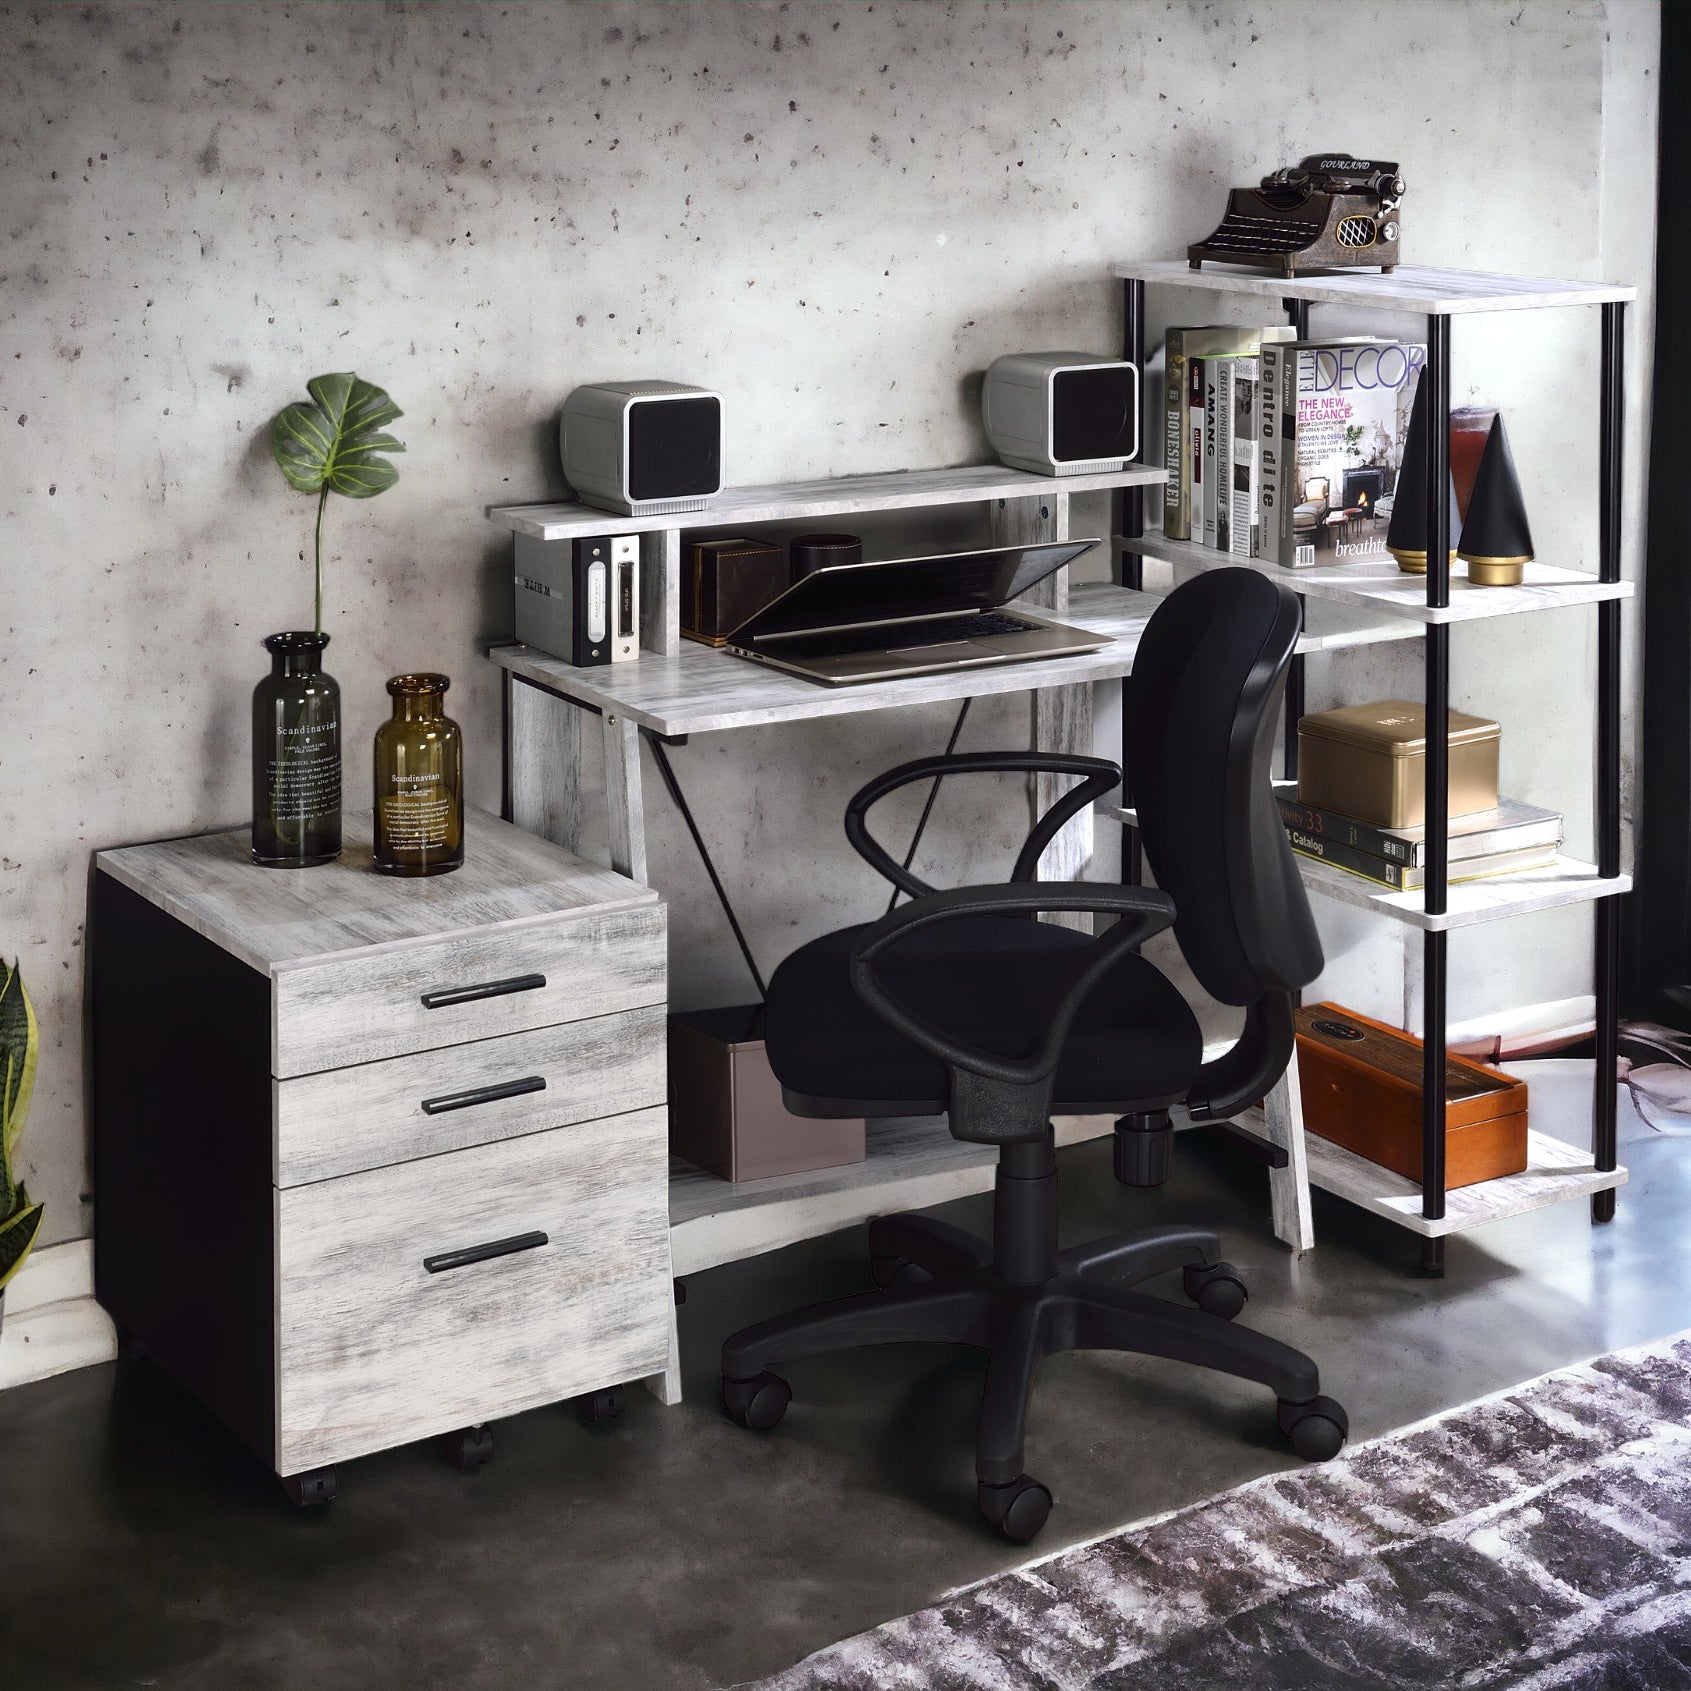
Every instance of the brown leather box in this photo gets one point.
(726, 582)
(725, 1109)
(1361, 1085)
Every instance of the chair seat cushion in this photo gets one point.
(993, 982)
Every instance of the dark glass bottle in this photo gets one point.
(296, 756)
(419, 822)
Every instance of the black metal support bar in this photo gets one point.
(1436, 375)
(1607, 918)
(661, 758)
(1128, 503)
(1128, 513)
(1252, 1145)
(1297, 314)
(1294, 711)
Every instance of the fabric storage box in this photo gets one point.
(727, 582)
(1370, 762)
(1361, 1083)
(725, 1109)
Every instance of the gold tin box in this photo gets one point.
(1369, 761)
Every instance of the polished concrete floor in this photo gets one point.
(139, 1545)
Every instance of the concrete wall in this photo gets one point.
(838, 214)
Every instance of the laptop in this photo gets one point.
(846, 623)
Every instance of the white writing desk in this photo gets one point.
(678, 687)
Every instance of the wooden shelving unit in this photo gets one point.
(1427, 607)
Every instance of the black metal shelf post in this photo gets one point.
(1297, 314)
(1128, 525)
(1608, 914)
(1436, 375)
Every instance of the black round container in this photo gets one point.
(809, 552)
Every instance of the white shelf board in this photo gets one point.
(1566, 880)
(1556, 1172)
(913, 1163)
(839, 496)
(1411, 287)
(700, 691)
(1379, 586)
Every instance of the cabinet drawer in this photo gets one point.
(345, 1120)
(477, 984)
(381, 1339)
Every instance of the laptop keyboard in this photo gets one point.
(902, 637)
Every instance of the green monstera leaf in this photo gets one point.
(335, 443)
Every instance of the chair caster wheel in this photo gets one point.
(1217, 1290)
(1018, 1509)
(889, 1271)
(1318, 1429)
(310, 1490)
(606, 1405)
(469, 1447)
(759, 1402)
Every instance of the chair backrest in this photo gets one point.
(1201, 709)
(1317, 487)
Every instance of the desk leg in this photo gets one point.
(1288, 1187)
(666, 1387)
(622, 794)
(543, 764)
(1062, 722)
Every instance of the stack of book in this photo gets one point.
(1504, 841)
(1284, 449)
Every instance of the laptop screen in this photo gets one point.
(843, 595)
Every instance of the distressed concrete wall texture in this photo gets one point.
(836, 214)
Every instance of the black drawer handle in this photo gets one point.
(483, 1253)
(482, 1095)
(443, 996)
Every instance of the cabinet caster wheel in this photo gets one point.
(310, 1490)
(759, 1402)
(888, 1271)
(1217, 1290)
(1018, 1509)
(469, 1447)
(1318, 1429)
(606, 1405)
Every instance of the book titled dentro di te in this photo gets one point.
(1334, 414)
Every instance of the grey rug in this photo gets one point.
(1539, 1538)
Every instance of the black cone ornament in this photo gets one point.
(1406, 534)
(1496, 539)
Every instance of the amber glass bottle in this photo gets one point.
(296, 756)
(419, 819)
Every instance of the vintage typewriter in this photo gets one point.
(1330, 211)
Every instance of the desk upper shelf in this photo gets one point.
(841, 496)
(1411, 287)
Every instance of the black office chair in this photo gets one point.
(961, 1002)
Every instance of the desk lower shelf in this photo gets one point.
(913, 1163)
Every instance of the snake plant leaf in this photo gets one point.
(16, 1237)
(335, 441)
(19, 1041)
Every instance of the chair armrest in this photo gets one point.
(1143, 911)
(1099, 777)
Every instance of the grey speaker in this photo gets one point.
(642, 448)
(1062, 413)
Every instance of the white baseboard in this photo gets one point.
(52, 1323)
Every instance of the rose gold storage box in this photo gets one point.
(725, 1109)
(1369, 761)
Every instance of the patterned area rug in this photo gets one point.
(1539, 1538)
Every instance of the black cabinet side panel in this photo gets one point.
(183, 1201)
